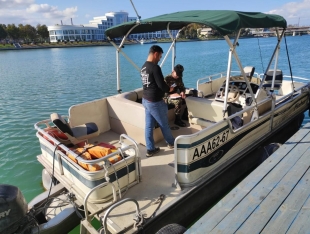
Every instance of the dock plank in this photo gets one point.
(273, 201)
(301, 224)
(223, 208)
(287, 212)
(254, 198)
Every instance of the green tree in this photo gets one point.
(3, 33)
(22, 33)
(191, 30)
(42, 32)
(13, 31)
(27, 32)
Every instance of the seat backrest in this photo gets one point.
(278, 78)
(61, 123)
(249, 71)
(205, 109)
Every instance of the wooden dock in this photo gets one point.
(274, 198)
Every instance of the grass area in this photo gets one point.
(4, 46)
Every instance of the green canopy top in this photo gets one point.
(224, 21)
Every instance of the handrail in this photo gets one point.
(137, 155)
(247, 108)
(220, 75)
(104, 220)
(91, 191)
(86, 161)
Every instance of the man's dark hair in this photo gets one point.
(155, 48)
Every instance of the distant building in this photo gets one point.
(96, 28)
(205, 32)
(73, 32)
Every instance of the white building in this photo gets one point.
(96, 28)
(73, 32)
(204, 32)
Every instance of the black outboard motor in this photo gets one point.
(13, 208)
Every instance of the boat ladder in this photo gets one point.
(86, 226)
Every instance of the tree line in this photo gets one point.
(27, 33)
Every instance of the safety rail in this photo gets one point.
(209, 78)
(261, 75)
(220, 75)
(104, 220)
(246, 109)
(87, 228)
(103, 160)
(276, 102)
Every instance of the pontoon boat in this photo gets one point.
(97, 152)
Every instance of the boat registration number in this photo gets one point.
(211, 145)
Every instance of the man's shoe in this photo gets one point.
(150, 153)
(170, 146)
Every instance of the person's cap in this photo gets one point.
(179, 70)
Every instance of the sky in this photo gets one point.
(46, 12)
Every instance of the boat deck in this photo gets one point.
(274, 198)
(157, 178)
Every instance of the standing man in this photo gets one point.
(177, 94)
(154, 89)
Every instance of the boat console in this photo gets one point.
(238, 92)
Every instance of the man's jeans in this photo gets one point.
(156, 111)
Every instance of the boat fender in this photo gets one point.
(173, 228)
(269, 150)
(48, 179)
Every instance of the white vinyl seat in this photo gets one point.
(249, 71)
(76, 134)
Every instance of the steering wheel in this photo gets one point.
(233, 93)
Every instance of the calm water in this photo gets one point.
(35, 83)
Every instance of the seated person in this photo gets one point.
(175, 96)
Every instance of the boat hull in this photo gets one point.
(204, 195)
(213, 148)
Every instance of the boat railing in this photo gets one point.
(296, 77)
(302, 89)
(86, 226)
(248, 109)
(209, 79)
(261, 75)
(220, 75)
(104, 161)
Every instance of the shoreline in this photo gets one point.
(104, 44)
(90, 45)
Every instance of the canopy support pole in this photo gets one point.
(172, 46)
(232, 52)
(118, 80)
(227, 74)
(240, 65)
(271, 59)
(119, 50)
(138, 16)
